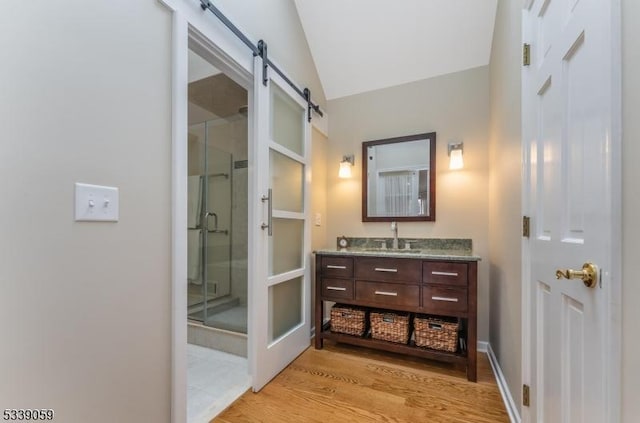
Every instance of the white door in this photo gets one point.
(280, 327)
(568, 142)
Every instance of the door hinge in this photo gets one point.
(526, 54)
(525, 395)
(525, 226)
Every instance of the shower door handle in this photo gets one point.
(269, 224)
(206, 221)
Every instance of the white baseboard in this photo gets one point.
(509, 403)
(482, 346)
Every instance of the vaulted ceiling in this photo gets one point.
(363, 45)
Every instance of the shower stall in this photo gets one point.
(217, 223)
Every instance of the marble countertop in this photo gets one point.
(461, 255)
(421, 248)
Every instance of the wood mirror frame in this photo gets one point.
(430, 209)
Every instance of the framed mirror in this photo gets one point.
(399, 179)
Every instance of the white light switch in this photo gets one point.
(318, 219)
(96, 203)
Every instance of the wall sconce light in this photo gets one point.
(455, 155)
(345, 166)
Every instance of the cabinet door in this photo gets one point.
(444, 300)
(341, 267)
(337, 289)
(388, 269)
(388, 295)
(445, 273)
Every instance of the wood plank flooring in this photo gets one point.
(343, 383)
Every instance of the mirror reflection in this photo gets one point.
(399, 178)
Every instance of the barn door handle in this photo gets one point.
(268, 198)
(588, 274)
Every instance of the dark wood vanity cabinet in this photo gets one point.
(417, 285)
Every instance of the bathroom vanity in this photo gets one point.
(432, 281)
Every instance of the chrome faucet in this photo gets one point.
(394, 229)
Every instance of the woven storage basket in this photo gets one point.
(348, 319)
(438, 333)
(390, 326)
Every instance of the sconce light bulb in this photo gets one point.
(345, 170)
(345, 166)
(455, 155)
(455, 160)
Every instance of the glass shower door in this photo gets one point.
(209, 224)
(217, 225)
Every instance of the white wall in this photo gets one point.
(277, 23)
(505, 186)
(318, 202)
(630, 210)
(85, 307)
(456, 107)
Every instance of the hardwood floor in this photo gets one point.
(342, 383)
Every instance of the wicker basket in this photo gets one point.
(390, 326)
(348, 319)
(436, 332)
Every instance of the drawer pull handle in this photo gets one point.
(444, 273)
(383, 269)
(389, 294)
(451, 300)
(336, 288)
(333, 266)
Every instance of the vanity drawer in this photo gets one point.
(445, 273)
(388, 269)
(388, 294)
(438, 299)
(337, 266)
(339, 289)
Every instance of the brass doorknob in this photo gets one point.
(588, 274)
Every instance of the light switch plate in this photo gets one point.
(96, 203)
(318, 219)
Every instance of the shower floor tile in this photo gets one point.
(214, 380)
(233, 319)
